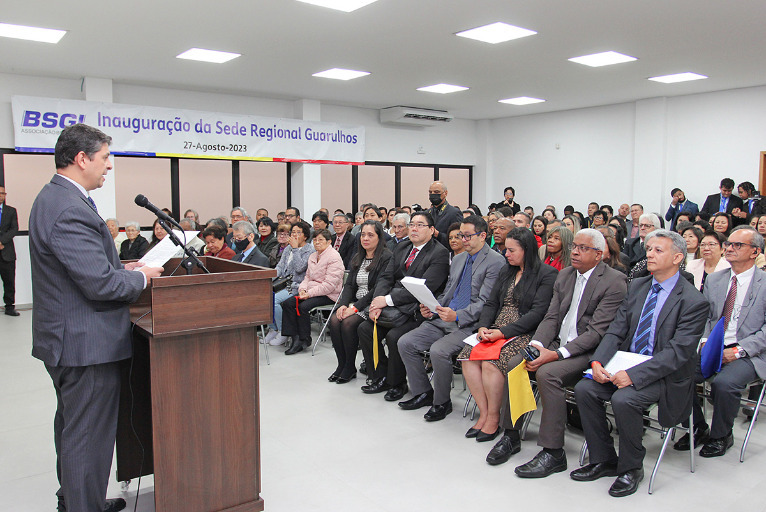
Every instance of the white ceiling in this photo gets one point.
(405, 44)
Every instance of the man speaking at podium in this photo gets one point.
(81, 320)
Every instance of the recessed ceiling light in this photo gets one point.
(42, 35)
(603, 59)
(678, 77)
(207, 55)
(522, 100)
(496, 33)
(340, 74)
(443, 88)
(340, 5)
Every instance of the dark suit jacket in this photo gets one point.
(535, 296)
(136, 251)
(256, 257)
(431, 264)
(81, 297)
(444, 216)
(634, 251)
(9, 227)
(346, 249)
(673, 211)
(679, 327)
(713, 204)
(603, 294)
(351, 287)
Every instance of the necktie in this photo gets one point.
(571, 317)
(462, 296)
(411, 258)
(641, 340)
(728, 306)
(92, 203)
(337, 242)
(724, 202)
(239, 257)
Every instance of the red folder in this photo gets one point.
(488, 351)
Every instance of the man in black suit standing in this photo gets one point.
(243, 238)
(443, 213)
(342, 240)
(81, 321)
(722, 202)
(9, 226)
(663, 317)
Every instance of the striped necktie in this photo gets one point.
(411, 258)
(92, 203)
(642, 344)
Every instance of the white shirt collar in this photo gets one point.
(79, 187)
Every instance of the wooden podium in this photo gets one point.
(189, 407)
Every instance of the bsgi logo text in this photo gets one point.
(51, 119)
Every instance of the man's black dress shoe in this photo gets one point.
(472, 432)
(363, 368)
(542, 465)
(295, 346)
(346, 380)
(503, 450)
(396, 392)
(11, 312)
(418, 401)
(333, 377)
(701, 432)
(594, 471)
(483, 437)
(377, 386)
(717, 447)
(111, 505)
(627, 483)
(438, 412)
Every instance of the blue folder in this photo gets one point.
(711, 355)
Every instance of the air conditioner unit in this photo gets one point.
(414, 116)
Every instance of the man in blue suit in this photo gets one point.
(679, 204)
(80, 318)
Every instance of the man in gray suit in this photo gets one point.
(80, 319)
(472, 275)
(585, 299)
(662, 316)
(739, 295)
(243, 237)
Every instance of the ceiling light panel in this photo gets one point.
(207, 55)
(42, 35)
(341, 74)
(443, 88)
(340, 5)
(498, 32)
(522, 100)
(597, 60)
(678, 77)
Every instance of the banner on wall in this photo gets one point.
(169, 132)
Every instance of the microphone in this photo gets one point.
(142, 201)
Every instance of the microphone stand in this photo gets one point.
(191, 253)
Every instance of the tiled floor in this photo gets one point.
(329, 447)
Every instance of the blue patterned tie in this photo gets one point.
(642, 337)
(92, 203)
(462, 296)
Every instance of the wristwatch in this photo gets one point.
(559, 354)
(741, 352)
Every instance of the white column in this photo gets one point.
(484, 182)
(100, 89)
(650, 155)
(306, 179)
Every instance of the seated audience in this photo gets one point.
(722, 223)
(599, 218)
(455, 241)
(158, 233)
(530, 211)
(215, 245)
(261, 213)
(503, 226)
(400, 230)
(558, 248)
(281, 218)
(679, 312)
(592, 208)
(539, 228)
(243, 236)
(343, 240)
(693, 236)
(114, 230)
(620, 229)
(634, 247)
(321, 286)
(136, 245)
(196, 243)
(607, 208)
(283, 240)
(612, 256)
(193, 215)
(320, 221)
(471, 278)
(369, 261)
(684, 217)
(761, 226)
(266, 238)
(740, 293)
(623, 211)
(549, 214)
(514, 308)
(293, 264)
(572, 223)
(636, 211)
(711, 259)
(754, 221)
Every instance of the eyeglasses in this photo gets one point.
(419, 225)
(709, 245)
(736, 245)
(647, 226)
(466, 236)
(290, 215)
(583, 248)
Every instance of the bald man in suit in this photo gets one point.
(81, 320)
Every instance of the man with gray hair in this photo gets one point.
(634, 248)
(661, 318)
(114, 230)
(738, 295)
(586, 296)
(400, 225)
(243, 238)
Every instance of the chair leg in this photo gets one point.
(473, 411)
(752, 425)
(583, 452)
(668, 438)
(467, 403)
(528, 416)
(265, 345)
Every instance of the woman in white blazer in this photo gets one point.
(712, 260)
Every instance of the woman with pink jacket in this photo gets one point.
(321, 287)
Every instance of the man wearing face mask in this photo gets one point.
(444, 214)
(243, 238)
